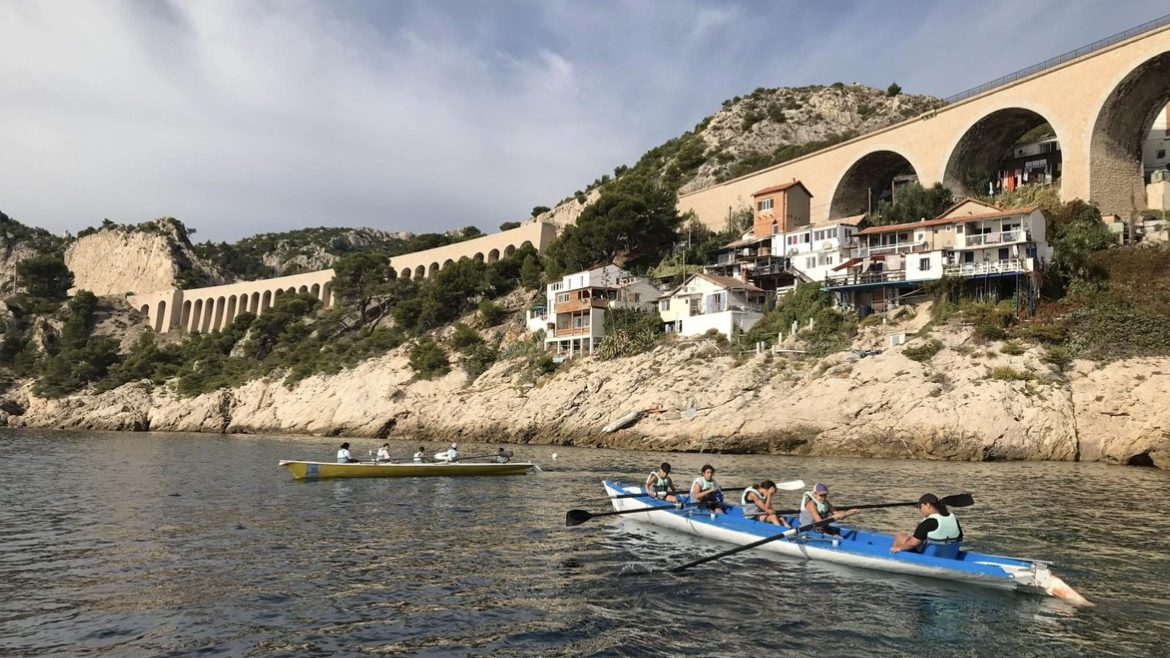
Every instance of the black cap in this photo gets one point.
(665, 467)
(928, 499)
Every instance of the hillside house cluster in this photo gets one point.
(994, 253)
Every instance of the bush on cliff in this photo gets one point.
(428, 359)
(80, 357)
(831, 330)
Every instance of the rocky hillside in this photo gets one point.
(303, 250)
(118, 259)
(17, 242)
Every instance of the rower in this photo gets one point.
(453, 453)
(343, 456)
(939, 527)
(384, 453)
(757, 503)
(815, 507)
(420, 457)
(705, 491)
(502, 457)
(659, 484)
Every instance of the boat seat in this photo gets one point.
(942, 550)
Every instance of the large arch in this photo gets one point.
(867, 180)
(1116, 181)
(974, 161)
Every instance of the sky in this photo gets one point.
(242, 117)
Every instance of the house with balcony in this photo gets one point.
(709, 301)
(752, 260)
(813, 251)
(573, 316)
(994, 251)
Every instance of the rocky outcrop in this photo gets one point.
(968, 402)
(116, 260)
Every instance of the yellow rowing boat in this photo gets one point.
(316, 470)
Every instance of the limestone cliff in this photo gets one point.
(957, 405)
(116, 259)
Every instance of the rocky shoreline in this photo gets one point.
(953, 406)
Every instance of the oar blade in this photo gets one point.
(577, 517)
(791, 485)
(958, 500)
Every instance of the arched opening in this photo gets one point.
(231, 311)
(145, 310)
(266, 301)
(303, 289)
(420, 272)
(404, 273)
(527, 244)
(197, 315)
(160, 322)
(211, 321)
(291, 290)
(327, 295)
(315, 291)
(493, 256)
(254, 307)
(1002, 152)
(185, 317)
(448, 263)
(434, 269)
(509, 250)
(1125, 123)
(479, 257)
(873, 178)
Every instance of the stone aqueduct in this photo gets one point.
(215, 307)
(1100, 100)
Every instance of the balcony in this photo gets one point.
(570, 332)
(888, 249)
(1009, 266)
(864, 278)
(990, 239)
(575, 304)
(736, 307)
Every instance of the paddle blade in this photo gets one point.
(958, 500)
(577, 517)
(791, 485)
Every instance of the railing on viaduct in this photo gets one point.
(215, 307)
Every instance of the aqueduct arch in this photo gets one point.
(975, 158)
(864, 181)
(1116, 181)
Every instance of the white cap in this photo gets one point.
(454, 445)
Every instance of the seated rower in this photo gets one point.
(706, 493)
(453, 453)
(757, 503)
(939, 527)
(659, 484)
(384, 453)
(815, 507)
(343, 456)
(420, 457)
(503, 457)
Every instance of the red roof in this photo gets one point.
(910, 226)
(781, 188)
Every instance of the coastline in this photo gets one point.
(692, 399)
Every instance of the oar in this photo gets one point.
(957, 500)
(792, 485)
(579, 516)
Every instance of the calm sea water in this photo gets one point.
(188, 545)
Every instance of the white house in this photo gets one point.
(813, 251)
(708, 301)
(573, 317)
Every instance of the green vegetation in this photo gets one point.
(428, 359)
(923, 352)
(44, 278)
(912, 203)
(1011, 348)
(628, 332)
(831, 330)
(1007, 373)
(894, 89)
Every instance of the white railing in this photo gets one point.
(999, 237)
(991, 267)
(900, 248)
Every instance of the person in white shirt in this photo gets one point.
(503, 457)
(420, 457)
(384, 453)
(343, 456)
(453, 453)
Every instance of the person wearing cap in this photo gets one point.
(660, 485)
(815, 507)
(384, 453)
(757, 503)
(706, 492)
(453, 453)
(938, 527)
(343, 456)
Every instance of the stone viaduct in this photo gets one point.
(215, 307)
(1101, 101)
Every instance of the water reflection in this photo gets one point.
(123, 545)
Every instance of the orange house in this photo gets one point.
(780, 208)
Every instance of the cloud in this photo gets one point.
(245, 117)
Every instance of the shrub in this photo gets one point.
(465, 337)
(544, 364)
(894, 89)
(1058, 356)
(1007, 373)
(491, 313)
(923, 352)
(478, 359)
(428, 359)
(1011, 348)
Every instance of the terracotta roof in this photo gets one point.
(847, 221)
(728, 282)
(966, 200)
(910, 226)
(781, 188)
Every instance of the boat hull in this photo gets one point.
(854, 547)
(320, 470)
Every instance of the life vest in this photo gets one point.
(704, 485)
(743, 499)
(343, 456)
(661, 484)
(948, 531)
(805, 516)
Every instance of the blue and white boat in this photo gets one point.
(852, 547)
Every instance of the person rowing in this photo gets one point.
(420, 457)
(939, 527)
(705, 491)
(815, 507)
(343, 456)
(659, 484)
(503, 457)
(453, 453)
(757, 503)
(384, 453)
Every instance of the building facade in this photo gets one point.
(573, 316)
(706, 301)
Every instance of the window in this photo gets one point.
(968, 256)
(637, 298)
(923, 264)
(664, 305)
(810, 262)
(1003, 253)
(1161, 153)
(562, 297)
(829, 260)
(766, 204)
